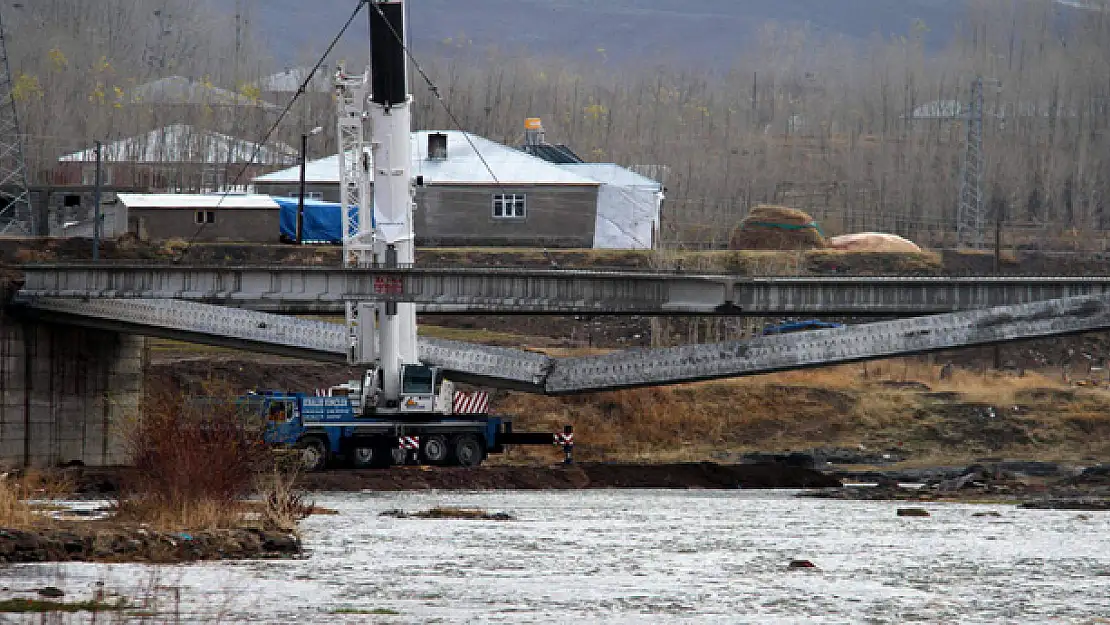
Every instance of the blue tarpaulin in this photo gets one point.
(322, 222)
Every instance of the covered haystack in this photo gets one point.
(777, 228)
(873, 242)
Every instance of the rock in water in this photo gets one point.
(913, 512)
(51, 592)
(802, 564)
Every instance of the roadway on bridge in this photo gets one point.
(306, 290)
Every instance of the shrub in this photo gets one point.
(194, 461)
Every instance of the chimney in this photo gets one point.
(533, 131)
(437, 146)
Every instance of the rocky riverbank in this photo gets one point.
(1036, 485)
(99, 542)
(576, 476)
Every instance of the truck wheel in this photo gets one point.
(363, 455)
(468, 451)
(435, 449)
(314, 454)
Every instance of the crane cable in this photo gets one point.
(258, 146)
(439, 98)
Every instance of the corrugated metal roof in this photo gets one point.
(462, 165)
(558, 154)
(289, 81)
(181, 90)
(611, 173)
(191, 201)
(181, 143)
(319, 171)
(939, 109)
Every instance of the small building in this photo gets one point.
(475, 192)
(177, 158)
(213, 217)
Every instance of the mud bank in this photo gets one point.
(1087, 489)
(576, 476)
(78, 543)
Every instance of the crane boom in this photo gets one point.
(377, 191)
(402, 410)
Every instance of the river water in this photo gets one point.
(644, 556)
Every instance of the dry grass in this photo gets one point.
(18, 490)
(900, 402)
(15, 512)
(283, 504)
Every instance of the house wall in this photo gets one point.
(557, 216)
(231, 225)
(53, 207)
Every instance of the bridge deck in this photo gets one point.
(530, 291)
(518, 369)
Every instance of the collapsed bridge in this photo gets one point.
(518, 369)
(72, 355)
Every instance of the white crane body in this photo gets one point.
(401, 409)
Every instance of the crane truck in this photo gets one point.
(401, 408)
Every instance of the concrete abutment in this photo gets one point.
(66, 393)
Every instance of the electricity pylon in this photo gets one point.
(16, 217)
(970, 219)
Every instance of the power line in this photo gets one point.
(266, 138)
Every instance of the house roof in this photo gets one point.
(463, 165)
(191, 201)
(613, 174)
(181, 90)
(290, 80)
(181, 143)
(953, 109)
(939, 109)
(557, 154)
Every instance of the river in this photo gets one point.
(646, 556)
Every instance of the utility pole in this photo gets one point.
(96, 203)
(300, 196)
(300, 199)
(16, 216)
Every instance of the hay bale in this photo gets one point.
(777, 228)
(873, 242)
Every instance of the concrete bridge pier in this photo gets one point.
(66, 393)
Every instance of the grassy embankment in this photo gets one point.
(896, 404)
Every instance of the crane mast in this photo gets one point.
(377, 193)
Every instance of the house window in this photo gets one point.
(510, 206)
(71, 201)
(309, 195)
(205, 217)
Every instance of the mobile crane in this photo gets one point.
(401, 409)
